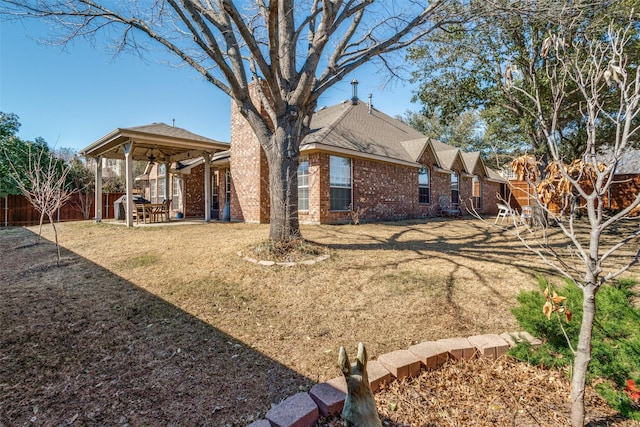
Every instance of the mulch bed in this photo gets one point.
(483, 392)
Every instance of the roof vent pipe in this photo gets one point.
(354, 92)
(370, 106)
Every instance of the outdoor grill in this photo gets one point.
(120, 205)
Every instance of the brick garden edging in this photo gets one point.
(327, 398)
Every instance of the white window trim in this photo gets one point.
(350, 184)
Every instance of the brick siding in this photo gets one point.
(249, 172)
(194, 192)
(384, 191)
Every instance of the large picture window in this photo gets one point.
(424, 186)
(455, 189)
(303, 184)
(340, 183)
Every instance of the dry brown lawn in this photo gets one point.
(170, 326)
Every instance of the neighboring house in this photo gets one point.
(355, 158)
(626, 181)
(111, 168)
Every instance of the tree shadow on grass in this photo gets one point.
(81, 345)
(428, 241)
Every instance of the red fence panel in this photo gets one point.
(17, 211)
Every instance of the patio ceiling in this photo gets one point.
(166, 143)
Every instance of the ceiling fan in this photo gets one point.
(151, 158)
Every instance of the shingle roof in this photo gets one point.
(352, 127)
(367, 131)
(630, 162)
(163, 129)
(415, 147)
(471, 159)
(164, 141)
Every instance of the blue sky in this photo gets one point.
(73, 96)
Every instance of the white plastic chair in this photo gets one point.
(504, 211)
(526, 214)
(447, 208)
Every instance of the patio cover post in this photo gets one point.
(128, 167)
(98, 190)
(167, 183)
(207, 186)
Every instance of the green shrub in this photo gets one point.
(616, 337)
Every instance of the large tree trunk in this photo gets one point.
(583, 354)
(283, 158)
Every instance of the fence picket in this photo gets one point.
(17, 211)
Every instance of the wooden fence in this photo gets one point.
(17, 211)
(622, 193)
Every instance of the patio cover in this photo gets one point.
(166, 143)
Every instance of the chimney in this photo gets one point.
(370, 106)
(354, 92)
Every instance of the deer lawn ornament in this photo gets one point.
(359, 406)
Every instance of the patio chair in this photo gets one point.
(504, 211)
(447, 208)
(166, 210)
(141, 211)
(526, 215)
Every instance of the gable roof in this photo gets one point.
(472, 161)
(446, 154)
(169, 143)
(356, 129)
(361, 130)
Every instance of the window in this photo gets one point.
(424, 186)
(162, 195)
(161, 189)
(175, 202)
(455, 189)
(153, 192)
(476, 193)
(228, 187)
(339, 183)
(215, 204)
(303, 184)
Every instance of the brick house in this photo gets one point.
(186, 184)
(355, 158)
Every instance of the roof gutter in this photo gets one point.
(315, 146)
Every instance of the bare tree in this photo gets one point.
(82, 180)
(296, 49)
(604, 70)
(44, 184)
